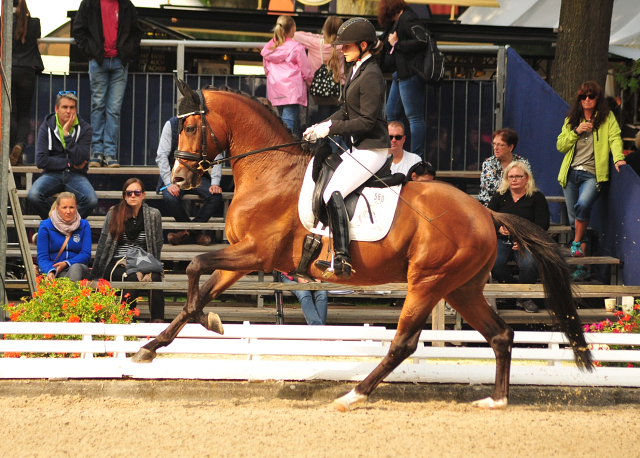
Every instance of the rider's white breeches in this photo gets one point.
(357, 166)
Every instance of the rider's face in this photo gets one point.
(351, 52)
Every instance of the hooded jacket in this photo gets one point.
(288, 73)
(51, 156)
(606, 138)
(50, 240)
(87, 31)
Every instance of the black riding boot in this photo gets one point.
(339, 224)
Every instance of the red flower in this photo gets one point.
(618, 313)
(15, 316)
(129, 312)
(12, 354)
(48, 336)
(74, 319)
(136, 312)
(127, 296)
(64, 306)
(114, 318)
(85, 292)
(46, 315)
(127, 319)
(12, 305)
(97, 307)
(626, 318)
(39, 279)
(84, 282)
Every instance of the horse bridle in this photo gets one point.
(201, 156)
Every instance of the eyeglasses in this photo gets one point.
(590, 96)
(396, 137)
(136, 193)
(499, 145)
(67, 93)
(515, 177)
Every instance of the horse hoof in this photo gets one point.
(344, 403)
(144, 356)
(214, 324)
(490, 404)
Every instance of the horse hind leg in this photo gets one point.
(414, 314)
(469, 301)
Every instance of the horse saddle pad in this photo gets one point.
(370, 214)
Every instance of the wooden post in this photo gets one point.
(437, 320)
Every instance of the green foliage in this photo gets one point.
(627, 77)
(623, 323)
(64, 301)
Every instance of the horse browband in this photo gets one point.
(201, 156)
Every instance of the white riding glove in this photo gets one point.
(317, 131)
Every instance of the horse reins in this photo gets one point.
(201, 156)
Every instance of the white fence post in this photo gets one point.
(87, 338)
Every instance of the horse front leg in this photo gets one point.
(229, 265)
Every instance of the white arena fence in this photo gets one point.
(338, 353)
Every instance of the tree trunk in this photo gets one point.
(583, 45)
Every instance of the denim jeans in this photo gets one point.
(409, 94)
(211, 204)
(501, 271)
(289, 114)
(108, 82)
(314, 304)
(51, 183)
(580, 193)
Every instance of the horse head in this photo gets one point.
(198, 144)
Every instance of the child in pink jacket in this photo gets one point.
(288, 71)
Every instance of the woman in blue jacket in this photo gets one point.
(64, 241)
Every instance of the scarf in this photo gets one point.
(133, 226)
(65, 227)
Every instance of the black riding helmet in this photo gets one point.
(356, 30)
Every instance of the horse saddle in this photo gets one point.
(325, 164)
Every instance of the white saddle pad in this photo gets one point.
(383, 202)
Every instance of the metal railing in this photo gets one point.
(460, 115)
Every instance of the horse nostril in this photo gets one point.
(178, 180)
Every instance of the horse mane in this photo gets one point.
(266, 108)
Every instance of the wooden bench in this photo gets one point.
(307, 353)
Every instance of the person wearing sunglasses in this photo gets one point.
(590, 132)
(402, 160)
(62, 152)
(519, 196)
(130, 223)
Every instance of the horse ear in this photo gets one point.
(185, 90)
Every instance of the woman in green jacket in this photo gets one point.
(590, 131)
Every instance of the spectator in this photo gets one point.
(288, 71)
(406, 40)
(313, 303)
(62, 153)
(504, 142)
(402, 160)
(633, 158)
(209, 189)
(64, 241)
(589, 132)
(518, 195)
(130, 223)
(440, 154)
(422, 172)
(108, 34)
(477, 149)
(26, 62)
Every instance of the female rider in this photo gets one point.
(361, 117)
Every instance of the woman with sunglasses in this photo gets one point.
(518, 195)
(589, 133)
(130, 223)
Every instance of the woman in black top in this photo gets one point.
(406, 42)
(26, 62)
(518, 195)
(362, 118)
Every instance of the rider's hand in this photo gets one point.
(315, 132)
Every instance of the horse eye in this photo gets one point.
(190, 129)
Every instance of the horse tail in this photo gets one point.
(556, 278)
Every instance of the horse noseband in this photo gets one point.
(201, 156)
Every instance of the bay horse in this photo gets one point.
(445, 249)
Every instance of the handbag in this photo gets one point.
(324, 90)
(139, 260)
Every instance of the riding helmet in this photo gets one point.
(356, 30)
